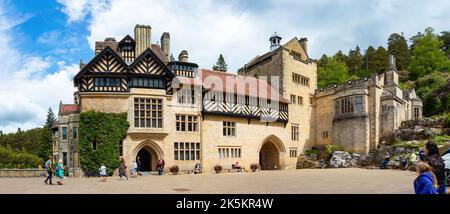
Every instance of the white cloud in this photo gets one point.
(77, 10)
(27, 89)
(240, 29)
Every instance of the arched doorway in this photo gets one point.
(270, 154)
(148, 152)
(146, 160)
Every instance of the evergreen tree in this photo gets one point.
(354, 60)
(220, 64)
(398, 47)
(341, 57)
(380, 60)
(45, 148)
(368, 60)
(427, 56)
(445, 37)
(323, 61)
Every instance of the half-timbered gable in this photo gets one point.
(106, 72)
(127, 49)
(148, 70)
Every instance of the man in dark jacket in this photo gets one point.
(434, 160)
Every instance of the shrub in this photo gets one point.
(106, 130)
(218, 168)
(254, 166)
(312, 151)
(329, 149)
(174, 169)
(12, 159)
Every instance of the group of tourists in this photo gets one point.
(58, 170)
(135, 169)
(430, 171)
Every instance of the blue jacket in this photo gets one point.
(424, 184)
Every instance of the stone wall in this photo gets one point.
(352, 133)
(22, 173)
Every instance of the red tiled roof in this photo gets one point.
(243, 85)
(69, 108)
(158, 51)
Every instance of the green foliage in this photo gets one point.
(398, 47)
(380, 60)
(45, 148)
(220, 64)
(427, 56)
(410, 145)
(441, 139)
(335, 72)
(312, 151)
(107, 130)
(354, 61)
(13, 158)
(434, 91)
(445, 37)
(368, 60)
(447, 120)
(28, 140)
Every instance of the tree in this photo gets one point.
(380, 60)
(368, 60)
(323, 61)
(445, 37)
(354, 60)
(398, 47)
(339, 56)
(427, 56)
(46, 142)
(334, 73)
(220, 64)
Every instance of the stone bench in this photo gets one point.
(233, 169)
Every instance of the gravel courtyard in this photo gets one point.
(351, 180)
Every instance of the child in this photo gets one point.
(103, 173)
(60, 172)
(425, 183)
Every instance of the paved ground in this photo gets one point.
(287, 181)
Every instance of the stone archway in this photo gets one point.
(149, 153)
(270, 154)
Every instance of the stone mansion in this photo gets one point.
(269, 113)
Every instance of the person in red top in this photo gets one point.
(161, 164)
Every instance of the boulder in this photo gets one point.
(304, 163)
(341, 159)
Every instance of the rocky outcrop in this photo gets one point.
(305, 162)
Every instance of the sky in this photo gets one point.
(43, 41)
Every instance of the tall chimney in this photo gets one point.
(165, 43)
(304, 44)
(142, 35)
(392, 62)
(183, 57)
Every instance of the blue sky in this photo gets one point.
(42, 41)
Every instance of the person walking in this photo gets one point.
(138, 161)
(433, 158)
(103, 173)
(161, 164)
(60, 172)
(49, 168)
(134, 168)
(386, 160)
(425, 182)
(123, 169)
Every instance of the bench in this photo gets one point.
(233, 169)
